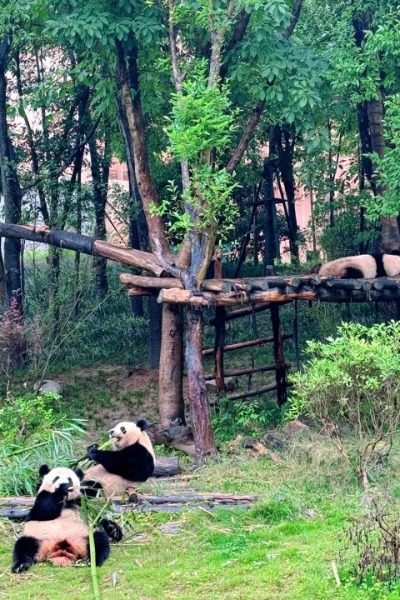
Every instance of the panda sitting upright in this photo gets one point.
(131, 460)
(54, 530)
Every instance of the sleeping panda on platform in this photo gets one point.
(54, 530)
(131, 460)
(367, 266)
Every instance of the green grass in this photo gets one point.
(281, 548)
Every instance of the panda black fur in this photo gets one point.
(366, 266)
(131, 460)
(54, 530)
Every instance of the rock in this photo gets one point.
(49, 386)
(294, 429)
(230, 384)
(275, 440)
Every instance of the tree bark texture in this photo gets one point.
(99, 191)
(197, 391)
(154, 314)
(170, 400)
(10, 186)
(130, 101)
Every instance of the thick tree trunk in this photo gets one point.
(200, 411)
(390, 229)
(10, 186)
(154, 313)
(99, 190)
(170, 400)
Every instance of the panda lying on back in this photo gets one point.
(131, 460)
(367, 266)
(54, 530)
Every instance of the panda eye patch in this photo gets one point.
(56, 478)
(123, 430)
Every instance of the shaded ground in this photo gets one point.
(106, 394)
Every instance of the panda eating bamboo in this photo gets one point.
(131, 460)
(54, 530)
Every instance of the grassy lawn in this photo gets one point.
(280, 549)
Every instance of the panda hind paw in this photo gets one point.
(21, 566)
(113, 530)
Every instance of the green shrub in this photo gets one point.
(351, 384)
(33, 432)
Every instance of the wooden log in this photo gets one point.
(166, 466)
(247, 371)
(220, 333)
(251, 393)
(84, 244)
(248, 344)
(139, 291)
(149, 282)
(281, 371)
(177, 296)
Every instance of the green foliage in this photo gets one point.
(243, 418)
(351, 383)
(201, 118)
(34, 432)
(388, 166)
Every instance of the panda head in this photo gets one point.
(53, 478)
(126, 433)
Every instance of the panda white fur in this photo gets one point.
(131, 460)
(367, 266)
(54, 530)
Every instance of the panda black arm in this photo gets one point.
(48, 505)
(134, 462)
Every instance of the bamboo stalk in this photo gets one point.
(93, 568)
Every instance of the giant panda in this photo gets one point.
(54, 530)
(366, 266)
(131, 460)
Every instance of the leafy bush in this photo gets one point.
(351, 384)
(248, 418)
(373, 540)
(33, 432)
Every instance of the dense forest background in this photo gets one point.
(242, 105)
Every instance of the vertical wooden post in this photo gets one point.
(170, 395)
(280, 372)
(220, 331)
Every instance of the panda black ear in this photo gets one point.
(143, 424)
(43, 470)
(79, 472)
(316, 268)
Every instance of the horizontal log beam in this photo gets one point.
(82, 243)
(135, 290)
(246, 371)
(149, 282)
(251, 393)
(248, 344)
(177, 296)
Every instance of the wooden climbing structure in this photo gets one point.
(259, 294)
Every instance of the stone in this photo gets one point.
(49, 386)
(275, 440)
(230, 384)
(295, 429)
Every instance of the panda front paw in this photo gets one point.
(63, 489)
(91, 451)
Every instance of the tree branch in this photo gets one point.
(255, 114)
